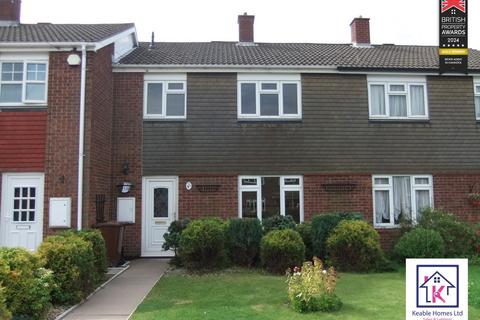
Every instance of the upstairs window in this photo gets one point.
(165, 99)
(397, 98)
(272, 97)
(23, 82)
(477, 98)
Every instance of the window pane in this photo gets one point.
(382, 206)
(417, 100)
(269, 86)
(402, 198)
(398, 106)
(422, 181)
(477, 106)
(290, 99)
(269, 104)
(35, 92)
(248, 98)
(397, 87)
(292, 182)
(175, 104)
(270, 197)
(11, 93)
(381, 181)
(249, 182)
(422, 201)
(249, 204)
(154, 98)
(36, 71)
(175, 86)
(378, 100)
(292, 205)
(160, 203)
(477, 89)
(12, 71)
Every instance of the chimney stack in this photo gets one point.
(10, 12)
(245, 28)
(360, 31)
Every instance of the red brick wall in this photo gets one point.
(360, 28)
(222, 203)
(127, 147)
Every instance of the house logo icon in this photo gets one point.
(437, 286)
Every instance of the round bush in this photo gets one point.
(420, 243)
(202, 244)
(278, 223)
(305, 231)
(27, 284)
(243, 240)
(5, 314)
(73, 264)
(354, 246)
(281, 250)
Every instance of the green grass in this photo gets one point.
(244, 294)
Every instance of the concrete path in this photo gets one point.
(121, 297)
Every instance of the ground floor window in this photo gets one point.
(400, 197)
(264, 197)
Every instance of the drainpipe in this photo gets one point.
(81, 138)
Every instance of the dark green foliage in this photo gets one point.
(354, 246)
(202, 244)
(305, 231)
(278, 223)
(460, 238)
(172, 238)
(324, 303)
(322, 226)
(420, 243)
(281, 250)
(27, 284)
(243, 238)
(73, 264)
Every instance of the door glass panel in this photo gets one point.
(292, 205)
(24, 204)
(160, 203)
(270, 197)
(249, 204)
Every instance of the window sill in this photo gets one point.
(165, 119)
(381, 121)
(269, 120)
(22, 108)
(377, 227)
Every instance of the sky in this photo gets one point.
(413, 22)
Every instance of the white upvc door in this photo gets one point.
(22, 210)
(160, 203)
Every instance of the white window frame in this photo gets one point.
(279, 80)
(476, 93)
(389, 187)
(387, 82)
(258, 189)
(165, 80)
(24, 82)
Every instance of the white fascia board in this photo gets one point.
(101, 44)
(220, 68)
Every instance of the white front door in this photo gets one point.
(159, 210)
(22, 210)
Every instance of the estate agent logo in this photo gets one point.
(437, 288)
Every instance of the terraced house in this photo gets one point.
(94, 124)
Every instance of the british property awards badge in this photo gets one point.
(453, 47)
(437, 289)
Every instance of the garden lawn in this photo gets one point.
(244, 294)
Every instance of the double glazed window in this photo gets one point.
(397, 98)
(477, 98)
(23, 82)
(165, 99)
(397, 198)
(262, 98)
(264, 197)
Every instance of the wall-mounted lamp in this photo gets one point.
(125, 168)
(74, 59)
(125, 187)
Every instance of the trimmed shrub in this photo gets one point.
(322, 226)
(278, 222)
(243, 240)
(172, 239)
(27, 284)
(460, 238)
(5, 314)
(202, 244)
(354, 246)
(305, 231)
(420, 243)
(281, 250)
(73, 264)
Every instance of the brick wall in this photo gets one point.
(360, 29)
(127, 147)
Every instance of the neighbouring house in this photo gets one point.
(229, 129)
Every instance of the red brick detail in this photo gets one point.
(222, 203)
(22, 142)
(245, 28)
(360, 28)
(10, 10)
(388, 238)
(127, 147)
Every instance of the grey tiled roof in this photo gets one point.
(290, 54)
(46, 32)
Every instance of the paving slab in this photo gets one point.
(120, 297)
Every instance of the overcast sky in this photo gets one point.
(391, 21)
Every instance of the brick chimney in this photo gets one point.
(360, 31)
(10, 12)
(245, 28)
